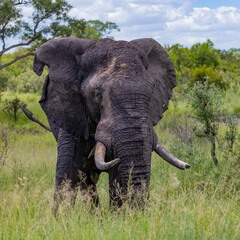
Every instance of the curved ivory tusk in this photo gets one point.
(163, 153)
(99, 158)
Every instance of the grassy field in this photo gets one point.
(201, 203)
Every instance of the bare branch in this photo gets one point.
(16, 45)
(16, 59)
(21, 3)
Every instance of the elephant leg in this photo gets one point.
(68, 163)
(88, 189)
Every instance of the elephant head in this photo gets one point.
(109, 94)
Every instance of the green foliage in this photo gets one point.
(92, 29)
(27, 82)
(12, 109)
(50, 19)
(202, 61)
(206, 103)
(205, 54)
(9, 13)
(180, 56)
(20, 66)
(231, 132)
(4, 76)
(204, 74)
(207, 108)
(236, 110)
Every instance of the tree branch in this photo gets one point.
(4, 27)
(20, 44)
(26, 43)
(3, 41)
(16, 45)
(16, 59)
(21, 3)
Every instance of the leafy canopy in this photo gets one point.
(49, 20)
(203, 62)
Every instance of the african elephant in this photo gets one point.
(107, 95)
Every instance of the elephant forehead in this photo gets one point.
(95, 79)
(103, 73)
(109, 64)
(101, 52)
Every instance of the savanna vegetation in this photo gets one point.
(201, 127)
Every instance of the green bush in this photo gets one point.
(230, 133)
(236, 110)
(11, 108)
(204, 74)
(27, 82)
(205, 101)
(4, 76)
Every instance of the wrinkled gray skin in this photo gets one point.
(105, 91)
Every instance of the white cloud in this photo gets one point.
(169, 21)
(206, 19)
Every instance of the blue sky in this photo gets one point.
(216, 3)
(168, 21)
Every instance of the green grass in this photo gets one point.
(26, 97)
(180, 207)
(200, 203)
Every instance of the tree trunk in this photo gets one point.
(213, 150)
(15, 112)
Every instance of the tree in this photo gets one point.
(11, 108)
(49, 20)
(26, 82)
(205, 54)
(203, 74)
(3, 81)
(207, 108)
(181, 57)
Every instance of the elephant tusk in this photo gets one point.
(163, 153)
(99, 158)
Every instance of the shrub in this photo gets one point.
(204, 74)
(207, 109)
(26, 82)
(11, 108)
(231, 132)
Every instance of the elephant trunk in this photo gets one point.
(133, 146)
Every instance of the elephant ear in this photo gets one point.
(61, 99)
(162, 71)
